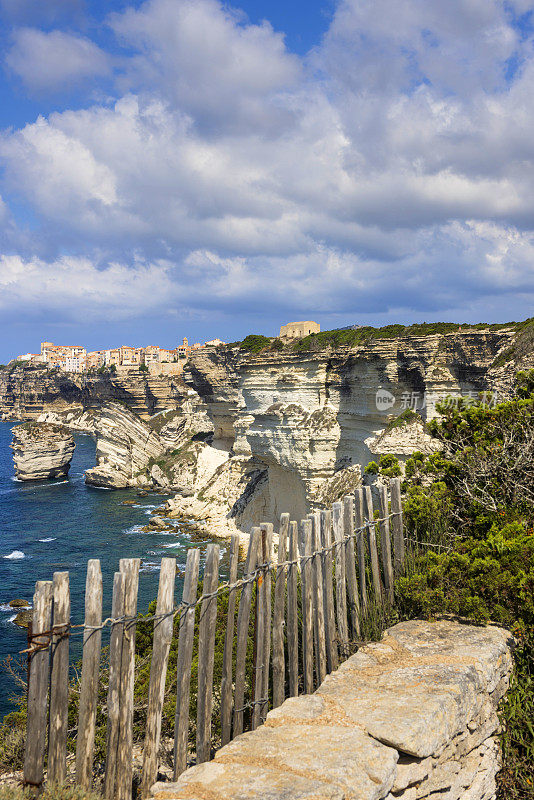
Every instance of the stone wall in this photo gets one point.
(411, 717)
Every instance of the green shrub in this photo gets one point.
(372, 468)
(389, 465)
(255, 343)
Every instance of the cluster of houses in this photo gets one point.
(156, 359)
(71, 358)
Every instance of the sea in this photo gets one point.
(58, 525)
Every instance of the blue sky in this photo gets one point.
(186, 167)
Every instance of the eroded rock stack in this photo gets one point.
(125, 446)
(41, 451)
(408, 718)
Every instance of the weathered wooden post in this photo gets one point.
(279, 673)
(359, 514)
(123, 782)
(59, 681)
(163, 628)
(307, 610)
(113, 704)
(385, 543)
(292, 612)
(226, 682)
(350, 560)
(332, 659)
(206, 653)
(371, 541)
(38, 671)
(92, 639)
(243, 618)
(341, 590)
(397, 526)
(318, 599)
(259, 632)
(267, 528)
(183, 663)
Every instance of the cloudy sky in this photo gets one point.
(186, 167)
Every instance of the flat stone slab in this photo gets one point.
(350, 760)
(488, 648)
(218, 781)
(416, 709)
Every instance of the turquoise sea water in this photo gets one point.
(51, 526)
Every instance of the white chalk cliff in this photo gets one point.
(41, 452)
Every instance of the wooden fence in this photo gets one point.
(309, 608)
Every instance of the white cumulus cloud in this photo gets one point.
(48, 61)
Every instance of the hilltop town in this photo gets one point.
(73, 358)
(155, 359)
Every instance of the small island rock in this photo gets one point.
(41, 451)
(23, 618)
(18, 603)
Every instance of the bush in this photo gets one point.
(277, 345)
(255, 343)
(372, 468)
(389, 465)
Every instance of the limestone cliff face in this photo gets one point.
(41, 452)
(306, 416)
(31, 390)
(125, 446)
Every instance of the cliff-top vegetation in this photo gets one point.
(351, 337)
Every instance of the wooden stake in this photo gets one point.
(59, 681)
(92, 639)
(341, 590)
(259, 642)
(292, 612)
(163, 629)
(278, 616)
(183, 664)
(332, 659)
(350, 561)
(206, 654)
(243, 619)
(397, 526)
(38, 671)
(371, 541)
(113, 702)
(226, 682)
(123, 782)
(359, 515)
(307, 609)
(385, 543)
(318, 600)
(267, 528)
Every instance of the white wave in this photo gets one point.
(16, 554)
(134, 529)
(172, 544)
(7, 607)
(48, 539)
(150, 566)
